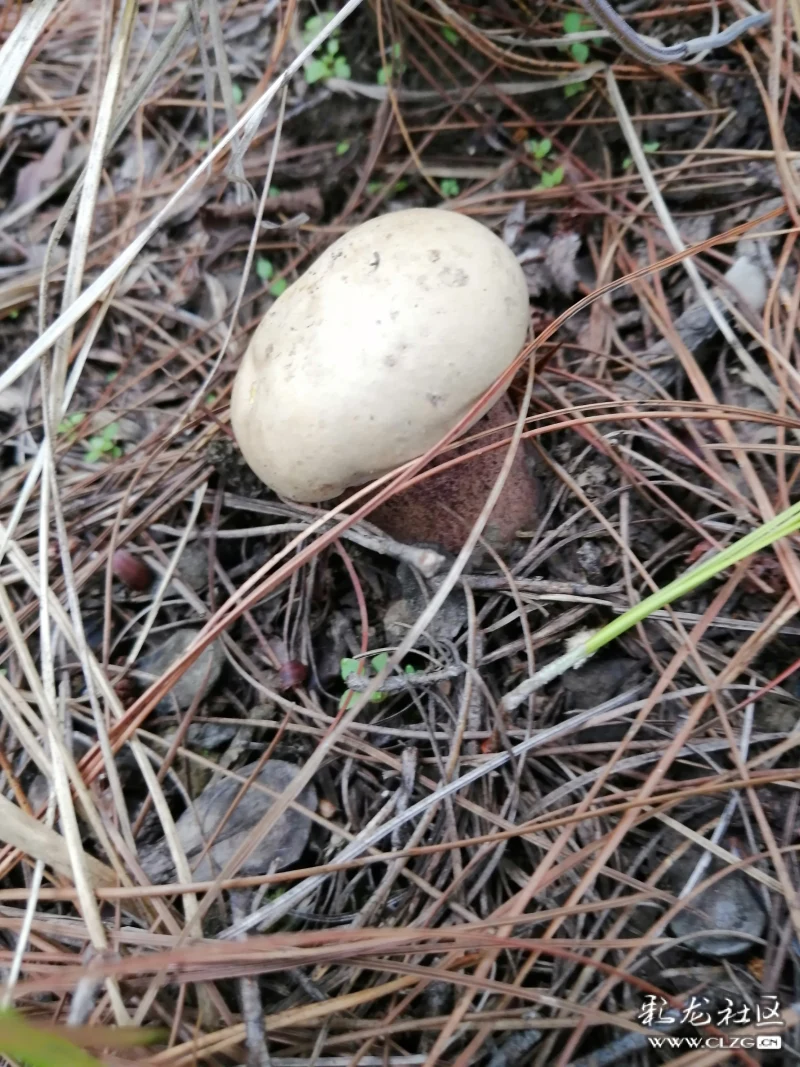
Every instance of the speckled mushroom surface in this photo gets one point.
(377, 351)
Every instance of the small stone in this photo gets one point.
(283, 845)
(204, 672)
(193, 565)
(729, 905)
(208, 735)
(404, 612)
(598, 681)
(747, 278)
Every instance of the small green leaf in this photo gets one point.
(69, 422)
(384, 74)
(374, 187)
(651, 146)
(95, 448)
(341, 68)
(316, 23)
(264, 268)
(397, 50)
(313, 26)
(400, 186)
(342, 148)
(376, 698)
(13, 314)
(627, 163)
(211, 399)
(238, 95)
(380, 661)
(111, 432)
(553, 178)
(579, 51)
(348, 666)
(449, 187)
(280, 285)
(332, 46)
(573, 22)
(574, 88)
(316, 70)
(410, 668)
(539, 149)
(274, 190)
(450, 35)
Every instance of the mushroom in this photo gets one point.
(377, 351)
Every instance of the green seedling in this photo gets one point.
(579, 51)
(264, 268)
(572, 22)
(238, 95)
(70, 423)
(574, 88)
(539, 149)
(104, 444)
(369, 669)
(342, 148)
(449, 187)
(450, 35)
(395, 64)
(550, 179)
(331, 64)
(647, 148)
(576, 22)
(316, 24)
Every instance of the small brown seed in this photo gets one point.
(131, 570)
(291, 674)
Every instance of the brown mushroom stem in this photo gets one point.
(442, 509)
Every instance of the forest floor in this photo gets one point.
(451, 876)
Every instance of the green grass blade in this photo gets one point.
(39, 1048)
(787, 522)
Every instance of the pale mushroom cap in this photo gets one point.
(377, 351)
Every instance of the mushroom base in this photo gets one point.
(442, 509)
